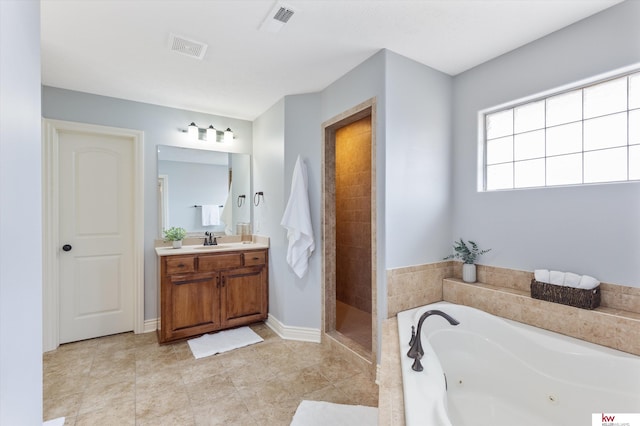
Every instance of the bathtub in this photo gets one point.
(493, 371)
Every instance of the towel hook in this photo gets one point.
(259, 196)
(241, 199)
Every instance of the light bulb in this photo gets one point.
(228, 135)
(193, 131)
(211, 134)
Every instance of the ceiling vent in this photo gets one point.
(276, 18)
(283, 14)
(188, 47)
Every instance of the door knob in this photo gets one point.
(67, 247)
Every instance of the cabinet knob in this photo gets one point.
(67, 247)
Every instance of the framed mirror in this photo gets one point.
(201, 190)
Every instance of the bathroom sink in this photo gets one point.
(222, 246)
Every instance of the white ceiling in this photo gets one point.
(120, 48)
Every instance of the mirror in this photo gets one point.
(189, 179)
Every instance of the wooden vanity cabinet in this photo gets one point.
(202, 293)
(243, 296)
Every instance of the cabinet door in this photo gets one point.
(244, 296)
(190, 305)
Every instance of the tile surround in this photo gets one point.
(604, 326)
(506, 293)
(616, 323)
(415, 286)
(390, 400)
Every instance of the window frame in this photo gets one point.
(482, 169)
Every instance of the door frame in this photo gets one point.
(50, 238)
(163, 202)
(367, 108)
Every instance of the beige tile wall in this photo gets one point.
(604, 326)
(415, 286)
(353, 214)
(506, 293)
(390, 396)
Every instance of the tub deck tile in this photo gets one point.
(604, 326)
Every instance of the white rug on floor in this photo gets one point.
(223, 341)
(320, 413)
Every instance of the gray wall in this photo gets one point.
(412, 166)
(295, 119)
(303, 137)
(20, 215)
(160, 126)
(418, 163)
(268, 177)
(588, 229)
(290, 128)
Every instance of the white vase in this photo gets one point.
(469, 272)
(177, 244)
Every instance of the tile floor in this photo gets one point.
(129, 379)
(355, 324)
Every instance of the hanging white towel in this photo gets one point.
(210, 215)
(227, 213)
(297, 221)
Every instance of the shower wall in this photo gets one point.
(353, 214)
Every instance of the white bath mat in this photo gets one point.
(320, 413)
(223, 341)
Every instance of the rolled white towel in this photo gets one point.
(571, 279)
(588, 283)
(556, 277)
(541, 275)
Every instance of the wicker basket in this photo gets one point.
(577, 297)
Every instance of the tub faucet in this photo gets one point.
(416, 352)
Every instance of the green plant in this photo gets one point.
(174, 234)
(462, 251)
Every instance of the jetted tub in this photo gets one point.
(500, 372)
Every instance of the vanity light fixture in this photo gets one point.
(210, 134)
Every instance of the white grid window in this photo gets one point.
(587, 135)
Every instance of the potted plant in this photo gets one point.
(176, 235)
(468, 253)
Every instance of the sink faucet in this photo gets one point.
(416, 352)
(209, 239)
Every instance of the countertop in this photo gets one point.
(257, 243)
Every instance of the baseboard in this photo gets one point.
(150, 325)
(286, 332)
(293, 333)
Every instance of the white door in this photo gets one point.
(96, 235)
